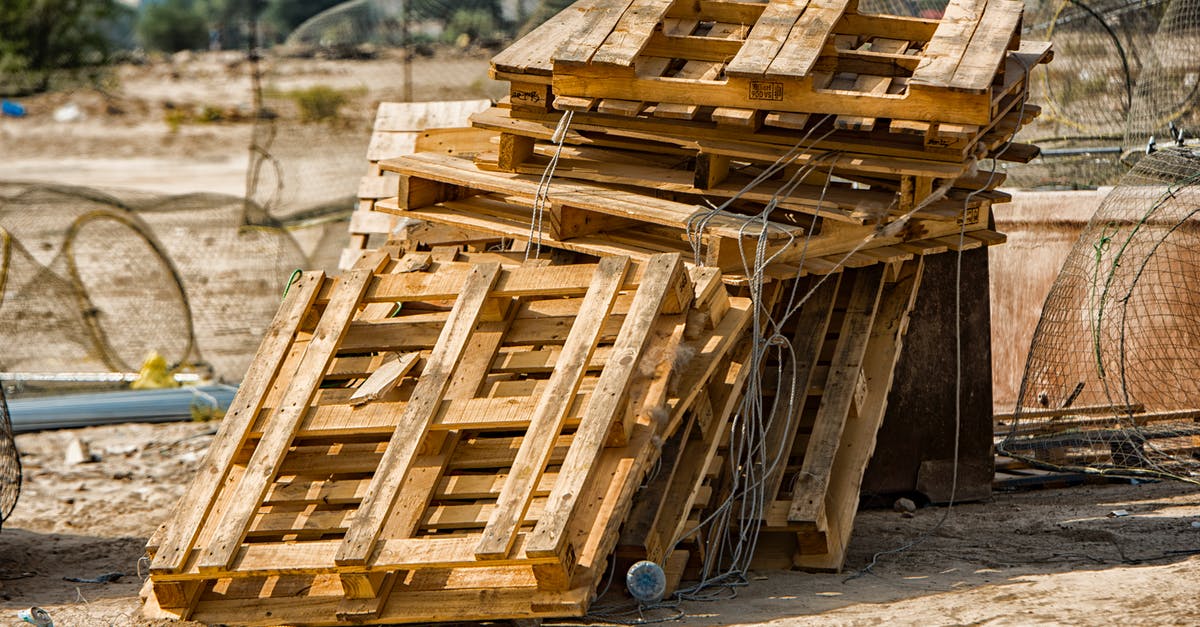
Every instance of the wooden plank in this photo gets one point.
(736, 12)
(460, 172)
(949, 43)
(196, 503)
(871, 85)
(418, 414)
(741, 118)
(631, 33)
(268, 455)
(627, 108)
(837, 401)
(804, 95)
(807, 38)
(553, 404)
(986, 51)
(420, 116)
(444, 284)
(550, 535)
(766, 38)
(783, 119)
(532, 55)
(602, 16)
(385, 378)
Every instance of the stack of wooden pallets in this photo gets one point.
(462, 427)
(843, 123)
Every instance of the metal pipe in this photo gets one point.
(88, 377)
(87, 410)
(1070, 152)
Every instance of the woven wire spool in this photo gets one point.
(89, 287)
(42, 327)
(233, 261)
(10, 463)
(130, 293)
(1110, 382)
(93, 282)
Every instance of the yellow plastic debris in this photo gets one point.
(154, 374)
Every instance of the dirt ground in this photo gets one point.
(1051, 557)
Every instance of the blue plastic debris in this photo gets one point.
(11, 109)
(646, 581)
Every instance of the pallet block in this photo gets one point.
(421, 434)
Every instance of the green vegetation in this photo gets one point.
(319, 103)
(476, 24)
(172, 26)
(41, 37)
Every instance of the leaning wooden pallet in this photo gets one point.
(846, 337)
(417, 433)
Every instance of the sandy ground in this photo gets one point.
(1051, 557)
(1043, 557)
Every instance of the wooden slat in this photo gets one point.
(986, 52)
(580, 195)
(807, 38)
(812, 324)
(444, 284)
(766, 38)
(602, 16)
(532, 55)
(549, 536)
(837, 401)
(632, 32)
(418, 414)
(197, 502)
(268, 455)
(547, 420)
(384, 379)
(949, 42)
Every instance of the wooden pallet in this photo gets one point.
(602, 220)
(403, 128)
(420, 434)
(847, 338)
(775, 62)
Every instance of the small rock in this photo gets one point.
(1196, 524)
(904, 505)
(78, 452)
